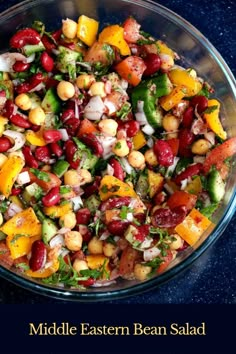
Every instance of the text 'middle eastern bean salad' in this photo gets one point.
(113, 158)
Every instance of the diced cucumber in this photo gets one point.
(49, 230)
(92, 203)
(60, 167)
(32, 191)
(142, 186)
(215, 186)
(51, 102)
(90, 162)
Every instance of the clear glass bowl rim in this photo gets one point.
(86, 296)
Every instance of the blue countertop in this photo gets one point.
(212, 278)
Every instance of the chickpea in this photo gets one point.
(166, 61)
(69, 28)
(84, 176)
(79, 265)
(84, 81)
(109, 249)
(37, 116)
(170, 122)
(97, 89)
(151, 158)
(136, 159)
(71, 178)
(120, 148)
(201, 147)
(23, 101)
(141, 271)
(177, 243)
(108, 126)
(68, 220)
(1, 219)
(65, 90)
(95, 246)
(3, 159)
(73, 240)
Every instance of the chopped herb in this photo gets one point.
(210, 109)
(209, 210)
(155, 264)
(23, 266)
(118, 145)
(111, 240)
(4, 206)
(124, 111)
(65, 189)
(124, 212)
(17, 236)
(90, 273)
(43, 176)
(104, 188)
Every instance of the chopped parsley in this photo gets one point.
(43, 176)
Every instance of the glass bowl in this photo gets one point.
(195, 51)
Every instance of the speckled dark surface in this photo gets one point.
(212, 279)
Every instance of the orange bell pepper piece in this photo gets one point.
(45, 272)
(182, 198)
(213, 120)
(193, 227)
(182, 77)
(171, 100)
(114, 35)
(112, 186)
(9, 173)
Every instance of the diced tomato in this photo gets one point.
(174, 145)
(179, 198)
(131, 69)
(86, 127)
(166, 261)
(127, 261)
(88, 282)
(131, 30)
(46, 185)
(189, 172)
(219, 154)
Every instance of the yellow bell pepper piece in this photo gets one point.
(23, 223)
(96, 261)
(9, 172)
(87, 30)
(112, 186)
(194, 186)
(193, 227)
(139, 140)
(45, 272)
(182, 77)
(16, 200)
(164, 49)
(171, 100)
(35, 138)
(57, 211)
(155, 181)
(3, 122)
(20, 246)
(213, 119)
(114, 35)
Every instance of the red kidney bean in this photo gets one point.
(52, 197)
(52, 136)
(9, 108)
(164, 217)
(83, 216)
(70, 150)
(29, 158)
(30, 84)
(57, 34)
(186, 138)
(140, 217)
(47, 62)
(113, 203)
(92, 188)
(159, 198)
(118, 170)
(67, 114)
(38, 255)
(48, 44)
(20, 66)
(163, 153)
(91, 141)
(153, 64)
(56, 149)
(118, 227)
(16, 191)
(20, 121)
(5, 144)
(190, 171)
(24, 37)
(42, 154)
(143, 232)
(131, 127)
(35, 127)
(188, 117)
(201, 102)
(72, 126)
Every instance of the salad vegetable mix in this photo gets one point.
(113, 158)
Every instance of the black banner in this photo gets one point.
(101, 328)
